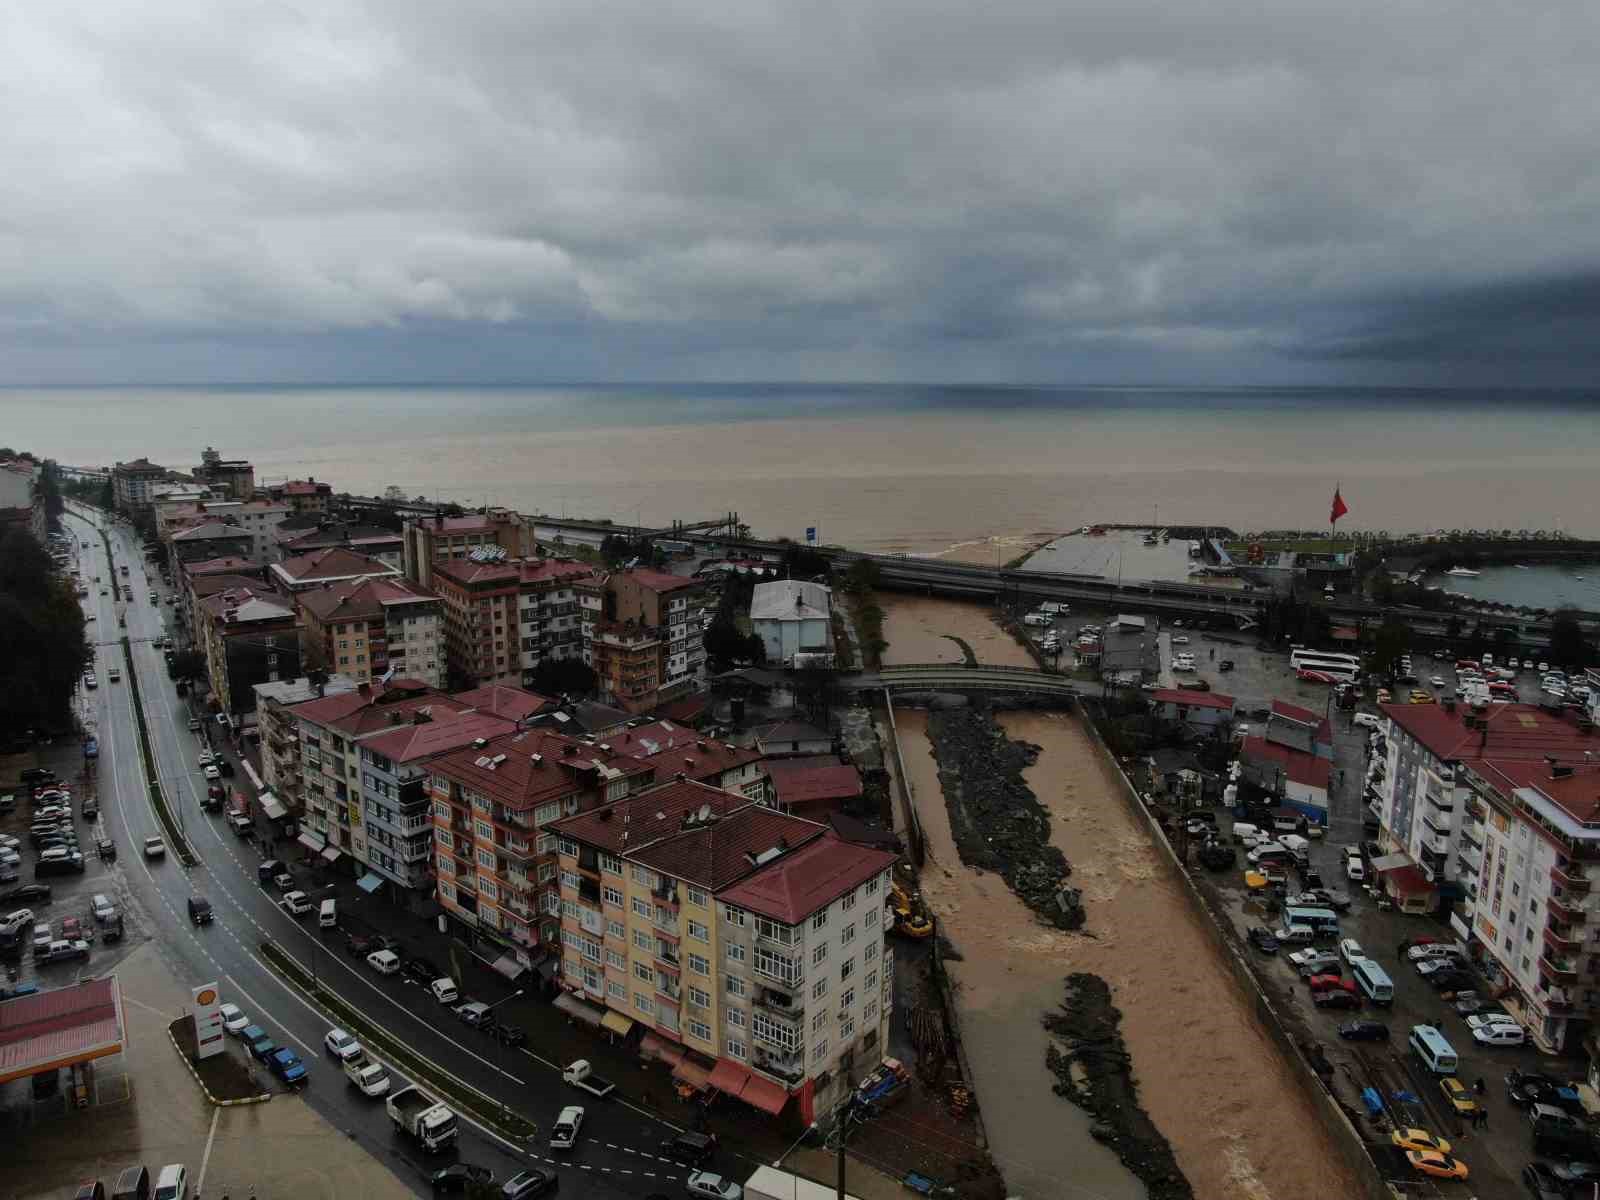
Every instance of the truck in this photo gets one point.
(371, 1076)
(885, 1085)
(770, 1183)
(581, 1075)
(423, 1118)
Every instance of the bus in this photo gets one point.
(1325, 668)
(1373, 981)
(1428, 1044)
(1324, 920)
(1332, 656)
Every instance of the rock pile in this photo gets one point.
(996, 820)
(1092, 1070)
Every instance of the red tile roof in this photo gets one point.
(334, 562)
(566, 765)
(465, 571)
(1192, 698)
(1305, 716)
(325, 710)
(813, 780)
(726, 849)
(808, 880)
(444, 732)
(547, 570)
(365, 598)
(515, 704)
(641, 819)
(681, 749)
(661, 581)
(305, 487)
(1309, 769)
(1515, 731)
(1578, 794)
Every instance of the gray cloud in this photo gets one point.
(1030, 191)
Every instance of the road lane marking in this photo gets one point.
(200, 1179)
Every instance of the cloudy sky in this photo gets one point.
(1031, 191)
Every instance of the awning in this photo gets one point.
(1390, 862)
(578, 1010)
(370, 882)
(729, 1077)
(270, 806)
(764, 1094)
(690, 1072)
(508, 966)
(617, 1023)
(653, 1047)
(330, 853)
(312, 842)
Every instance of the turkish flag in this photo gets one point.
(1339, 507)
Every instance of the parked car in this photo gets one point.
(420, 970)
(1314, 962)
(528, 1183)
(1364, 1031)
(1336, 999)
(1350, 950)
(1419, 1139)
(1543, 1183)
(384, 962)
(458, 1176)
(342, 1045)
(710, 1186)
(1457, 1096)
(1328, 983)
(1441, 1166)
(286, 1065)
(233, 1019)
(296, 904)
(444, 990)
(1263, 940)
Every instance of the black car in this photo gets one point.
(1337, 998)
(1451, 980)
(1364, 1031)
(534, 1181)
(37, 775)
(506, 1035)
(199, 910)
(1225, 665)
(690, 1148)
(1542, 1183)
(38, 893)
(1263, 940)
(1573, 1173)
(457, 1176)
(269, 870)
(420, 970)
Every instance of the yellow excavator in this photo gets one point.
(910, 915)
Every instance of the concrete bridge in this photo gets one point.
(959, 677)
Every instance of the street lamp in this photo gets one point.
(491, 1007)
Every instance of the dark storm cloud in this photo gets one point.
(894, 189)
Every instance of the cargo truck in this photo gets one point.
(579, 1074)
(421, 1117)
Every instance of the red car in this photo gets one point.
(1329, 983)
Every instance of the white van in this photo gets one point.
(1299, 849)
(1243, 830)
(1269, 852)
(328, 914)
(444, 990)
(1354, 871)
(1298, 934)
(1499, 1035)
(1035, 618)
(172, 1183)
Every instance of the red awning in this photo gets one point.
(690, 1072)
(1407, 881)
(729, 1077)
(764, 1094)
(653, 1047)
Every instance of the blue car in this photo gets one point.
(286, 1065)
(262, 1048)
(91, 749)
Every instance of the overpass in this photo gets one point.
(959, 677)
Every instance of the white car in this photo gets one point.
(1479, 1021)
(384, 962)
(1354, 871)
(342, 1046)
(1036, 618)
(1180, 640)
(233, 1019)
(296, 904)
(712, 1187)
(213, 774)
(444, 990)
(564, 1133)
(155, 847)
(206, 758)
(1350, 950)
(1367, 720)
(1439, 681)
(1500, 1035)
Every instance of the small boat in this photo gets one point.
(1462, 573)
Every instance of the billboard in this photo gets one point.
(208, 1034)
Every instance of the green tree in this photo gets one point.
(802, 562)
(1567, 644)
(188, 664)
(563, 677)
(43, 649)
(1389, 645)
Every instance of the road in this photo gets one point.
(616, 1156)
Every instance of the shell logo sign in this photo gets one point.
(208, 1033)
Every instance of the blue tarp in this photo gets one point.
(1373, 1101)
(370, 882)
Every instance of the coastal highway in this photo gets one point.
(616, 1157)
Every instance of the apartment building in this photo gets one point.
(675, 605)
(259, 518)
(208, 539)
(322, 568)
(304, 495)
(206, 577)
(232, 475)
(280, 730)
(748, 943)
(496, 868)
(131, 483)
(674, 750)
(295, 538)
(247, 637)
(626, 658)
(438, 539)
(504, 616)
(370, 628)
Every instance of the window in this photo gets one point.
(699, 965)
(643, 973)
(699, 932)
(611, 895)
(609, 863)
(567, 846)
(486, 859)
(643, 941)
(736, 1049)
(870, 1012)
(871, 981)
(699, 1029)
(643, 908)
(616, 991)
(643, 876)
(737, 986)
(849, 902)
(819, 989)
(736, 952)
(819, 953)
(819, 1051)
(847, 969)
(782, 934)
(847, 1030)
(570, 879)
(772, 1032)
(847, 998)
(615, 929)
(617, 959)
(698, 997)
(849, 934)
(733, 916)
(872, 886)
(736, 1018)
(819, 1022)
(696, 896)
(644, 1004)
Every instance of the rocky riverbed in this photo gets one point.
(996, 820)
(1093, 1070)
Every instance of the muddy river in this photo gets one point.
(1211, 1080)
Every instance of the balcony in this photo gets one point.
(1432, 861)
(666, 953)
(412, 793)
(778, 1005)
(1565, 910)
(1557, 969)
(787, 1069)
(1561, 941)
(1574, 882)
(785, 972)
(1435, 800)
(669, 989)
(666, 922)
(1438, 826)
(1557, 1001)
(1472, 835)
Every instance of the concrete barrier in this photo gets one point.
(1344, 1136)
